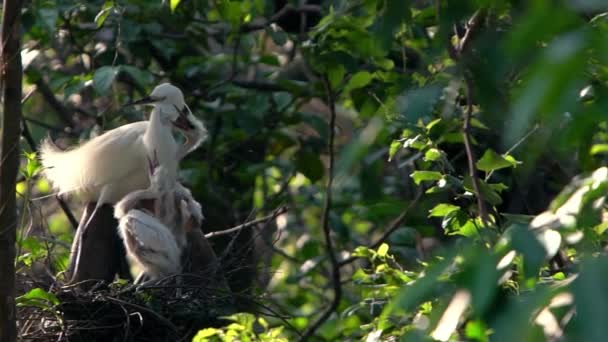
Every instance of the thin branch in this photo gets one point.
(395, 224)
(466, 133)
(58, 107)
(259, 85)
(287, 9)
(247, 224)
(335, 266)
(456, 53)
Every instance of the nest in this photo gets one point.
(120, 312)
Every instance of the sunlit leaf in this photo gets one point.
(443, 209)
(491, 161)
(422, 176)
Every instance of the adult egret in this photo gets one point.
(107, 167)
(153, 223)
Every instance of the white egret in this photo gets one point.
(107, 167)
(153, 223)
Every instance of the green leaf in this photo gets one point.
(310, 165)
(173, 4)
(202, 335)
(432, 154)
(382, 250)
(598, 148)
(395, 147)
(37, 297)
(443, 209)
(421, 176)
(491, 161)
(141, 77)
(359, 80)
(101, 17)
(476, 330)
(103, 78)
(335, 75)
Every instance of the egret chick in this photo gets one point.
(153, 223)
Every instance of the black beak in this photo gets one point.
(142, 101)
(182, 121)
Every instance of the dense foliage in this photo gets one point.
(464, 144)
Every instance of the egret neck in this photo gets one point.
(160, 142)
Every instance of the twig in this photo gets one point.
(466, 133)
(456, 53)
(58, 107)
(287, 9)
(142, 308)
(335, 266)
(247, 224)
(259, 85)
(395, 224)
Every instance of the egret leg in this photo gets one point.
(97, 249)
(140, 278)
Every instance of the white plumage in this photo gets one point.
(155, 236)
(150, 244)
(107, 167)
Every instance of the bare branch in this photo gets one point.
(247, 224)
(466, 132)
(473, 27)
(335, 266)
(61, 110)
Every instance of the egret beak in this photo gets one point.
(182, 122)
(142, 101)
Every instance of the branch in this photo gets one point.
(58, 107)
(335, 266)
(473, 27)
(259, 85)
(247, 224)
(466, 132)
(396, 224)
(287, 9)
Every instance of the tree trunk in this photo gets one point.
(10, 70)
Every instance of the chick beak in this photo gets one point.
(182, 122)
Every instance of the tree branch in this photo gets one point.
(335, 266)
(247, 224)
(466, 133)
(58, 107)
(473, 27)
(395, 224)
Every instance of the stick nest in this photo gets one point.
(119, 312)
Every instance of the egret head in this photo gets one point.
(170, 101)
